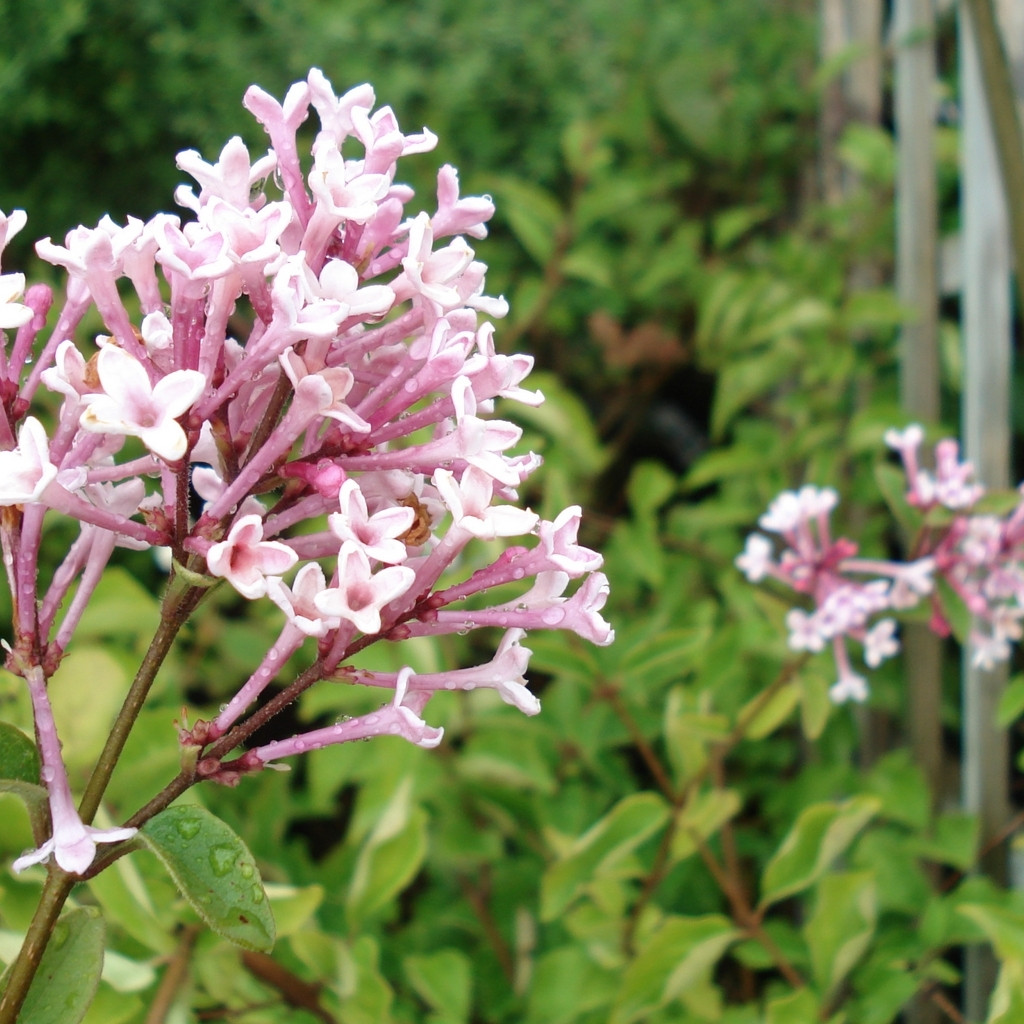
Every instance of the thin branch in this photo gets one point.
(297, 993)
(174, 977)
(478, 901)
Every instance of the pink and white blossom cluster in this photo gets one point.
(980, 558)
(316, 363)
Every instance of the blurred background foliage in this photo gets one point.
(689, 832)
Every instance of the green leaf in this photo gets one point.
(533, 213)
(18, 758)
(649, 486)
(1007, 1003)
(1003, 928)
(702, 817)
(742, 381)
(664, 658)
(955, 840)
(1011, 702)
(735, 221)
(821, 833)
(801, 1007)
(901, 786)
(126, 903)
(772, 713)
(364, 993)
(69, 972)
(215, 872)
(599, 849)
(293, 906)
(815, 704)
(689, 734)
(390, 856)
(841, 926)
(443, 980)
(682, 953)
(565, 985)
(892, 482)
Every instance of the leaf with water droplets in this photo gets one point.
(69, 972)
(215, 872)
(19, 774)
(18, 758)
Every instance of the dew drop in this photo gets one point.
(188, 828)
(47, 773)
(246, 870)
(223, 708)
(552, 616)
(518, 573)
(272, 655)
(222, 860)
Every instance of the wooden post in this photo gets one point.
(917, 286)
(987, 330)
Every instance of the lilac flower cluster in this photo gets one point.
(315, 367)
(980, 557)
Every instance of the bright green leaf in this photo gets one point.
(800, 1007)
(815, 704)
(293, 905)
(365, 996)
(1003, 928)
(1011, 702)
(762, 718)
(822, 832)
(683, 952)
(1007, 1003)
(841, 926)
(600, 848)
(565, 984)
(649, 486)
(390, 857)
(66, 981)
(443, 980)
(122, 894)
(954, 840)
(214, 871)
(702, 817)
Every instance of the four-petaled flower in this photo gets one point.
(130, 404)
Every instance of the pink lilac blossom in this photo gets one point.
(980, 558)
(308, 354)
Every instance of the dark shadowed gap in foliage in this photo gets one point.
(668, 423)
(322, 833)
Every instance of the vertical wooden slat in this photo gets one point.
(913, 34)
(917, 287)
(987, 325)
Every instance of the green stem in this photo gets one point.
(55, 893)
(180, 601)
